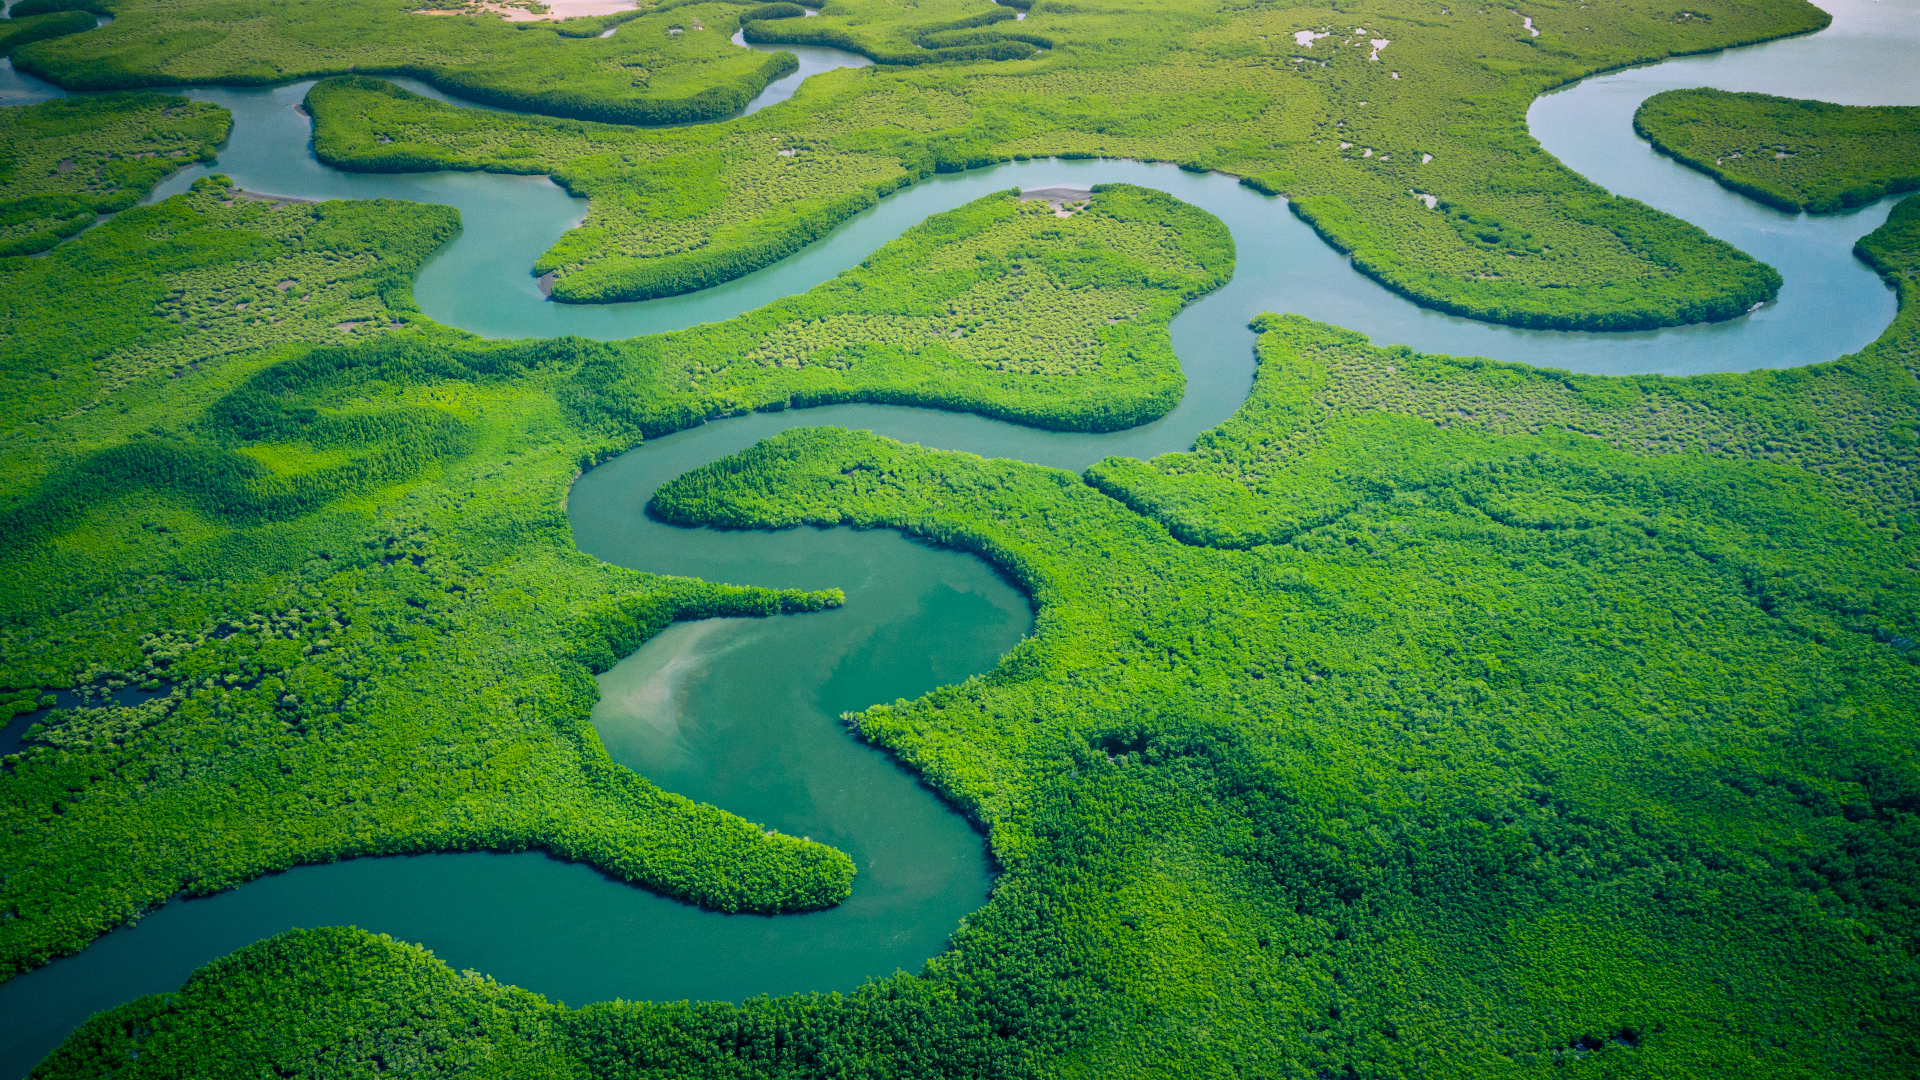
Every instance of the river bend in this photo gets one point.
(742, 713)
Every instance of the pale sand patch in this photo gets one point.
(1064, 200)
(1306, 38)
(1432, 201)
(556, 10)
(1424, 158)
(1527, 21)
(1378, 44)
(277, 200)
(1056, 194)
(574, 9)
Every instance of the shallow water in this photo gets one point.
(1832, 304)
(18, 89)
(814, 59)
(742, 713)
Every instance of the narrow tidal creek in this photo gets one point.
(744, 713)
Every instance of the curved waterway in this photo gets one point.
(1831, 304)
(742, 713)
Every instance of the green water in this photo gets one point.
(744, 713)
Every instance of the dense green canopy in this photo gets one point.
(1433, 716)
(1357, 135)
(1796, 155)
(303, 543)
(62, 163)
(1569, 723)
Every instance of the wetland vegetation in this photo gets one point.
(1535, 692)
(1431, 716)
(1356, 137)
(396, 486)
(653, 71)
(1795, 155)
(63, 163)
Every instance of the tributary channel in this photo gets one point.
(744, 713)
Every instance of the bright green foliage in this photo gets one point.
(1435, 717)
(670, 213)
(365, 1004)
(1894, 250)
(1513, 236)
(999, 308)
(63, 162)
(276, 560)
(305, 547)
(1535, 751)
(1787, 153)
(243, 1019)
(932, 33)
(1244, 482)
(188, 282)
(20, 702)
(1355, 136)
(1851, 422)
(28, 28)
(215, 530)
(659, 67)
(1447, 714)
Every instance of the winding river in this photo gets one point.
(743, 713)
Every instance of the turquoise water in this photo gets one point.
(743, 713)
(1831, 305)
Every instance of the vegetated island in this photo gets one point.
(1377, 113)
(244, 472)
(1791, 154)
(1525, 674)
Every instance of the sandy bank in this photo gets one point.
(556, 10)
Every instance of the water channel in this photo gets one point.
(742, 713)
